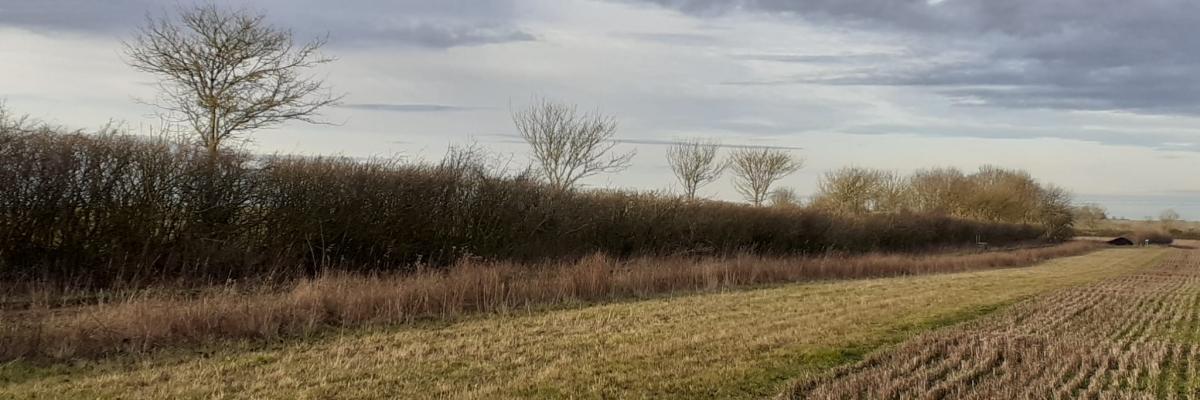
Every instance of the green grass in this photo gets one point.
(735, 344)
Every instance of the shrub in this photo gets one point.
(1153, 236)
(104, 208)
(992, 194)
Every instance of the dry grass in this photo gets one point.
(144, 321)
(1133, 336)
(736, 344)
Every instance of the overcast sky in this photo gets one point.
(1099, 96)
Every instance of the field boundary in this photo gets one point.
(139, 324)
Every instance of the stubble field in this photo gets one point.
(1133, 336)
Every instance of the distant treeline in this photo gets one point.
(1092, 220)
(991, 194)
(103, 207)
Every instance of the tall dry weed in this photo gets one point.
(144, 321)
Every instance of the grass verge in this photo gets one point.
(734, 344)
(151, 320)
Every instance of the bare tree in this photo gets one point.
(1168, 218)
(229, 72)
(858, 190)
(568, 145)
(10, 123)
(850, 190)
(1089, 215)
(756, 169)
(784, 197)
(695, 164)
(940, 190)
(1053, 212)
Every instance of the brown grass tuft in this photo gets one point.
(147, 320)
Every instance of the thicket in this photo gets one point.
(98, 208)
(991, 194)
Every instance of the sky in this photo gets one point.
(1101, 97)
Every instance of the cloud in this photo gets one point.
(682, 39)
(659, 142)
(514, 138)
(817, 58)
(1165, 141)
(74, 15)
(405, 107)
(425, 24)
(440, 36)
(1071, 54)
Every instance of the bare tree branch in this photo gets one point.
(857, 190)
(695, 164)
(568, 145)
(755, 170)
(784, 197)
(229, 72)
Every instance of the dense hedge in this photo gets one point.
(101, 207)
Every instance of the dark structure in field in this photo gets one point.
(1121, 241)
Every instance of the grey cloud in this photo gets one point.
(514, 138)
(818, 58)
(405, 107)
(686, 39)
(427, 24)
(659, 142)
(74, 15)
(1157, 141)
(446, 36)
(1070, 54)
(738, 118)
(908, 11)
(508, 138)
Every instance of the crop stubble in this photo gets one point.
(1130, 337)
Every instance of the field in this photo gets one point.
(1115, 227)
(706, 216)
(731, 344)
(1132, 336)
